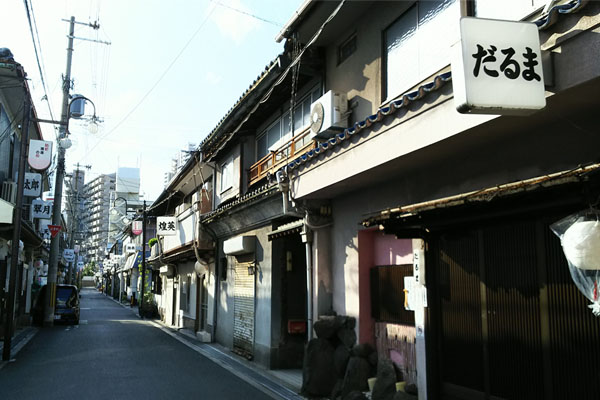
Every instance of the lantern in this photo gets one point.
(581, 244)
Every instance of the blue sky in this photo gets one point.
(214, 51)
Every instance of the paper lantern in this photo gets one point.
(581, 244)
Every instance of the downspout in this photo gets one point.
(284, 187)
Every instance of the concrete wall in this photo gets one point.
(263, 299)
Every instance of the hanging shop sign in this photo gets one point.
(136, 227)
(497, 68)
(166, 226)
(32, 185)
(41, 209)
(40, 154)
(69, 255)
(130, 248)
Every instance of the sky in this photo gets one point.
(172, 70)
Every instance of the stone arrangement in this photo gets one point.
(336, 367)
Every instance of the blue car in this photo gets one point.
(66, 308)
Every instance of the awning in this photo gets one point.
(407, 215)
(6, 212)
(286, 229)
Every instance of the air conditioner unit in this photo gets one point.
(9, 191)
(328, 115)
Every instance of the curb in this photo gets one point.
(18, 342)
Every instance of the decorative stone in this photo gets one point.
(355, 395)
(318, 374)
(357, 374)
(385, 386)
(363, 350)
(326, 327)
(347, 337)
(411, 388)
(340, 360)
(336, 393)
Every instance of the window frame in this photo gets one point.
(422, 73)
(226, 177)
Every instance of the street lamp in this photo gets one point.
(63, 144)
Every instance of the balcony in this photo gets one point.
(296, 146)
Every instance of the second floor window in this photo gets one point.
(279, 132)
(418, 44)
(227, 175)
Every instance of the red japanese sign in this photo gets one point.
(54, 229)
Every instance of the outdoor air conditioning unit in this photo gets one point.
(9, 191)
(328, 115)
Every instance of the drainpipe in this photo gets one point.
(307, 237)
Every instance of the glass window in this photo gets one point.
(514, 10)
(227, 175)
(418, 43)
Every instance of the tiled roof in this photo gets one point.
(383, 112)
(555, 12)
(255, 195)
(544, 23)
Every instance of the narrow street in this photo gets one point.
(114, 355)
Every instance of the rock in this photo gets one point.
(347, 337)
(373, 358)
(326, 327)
(363, 350)
(357, 374)
(385, 386)
(336, 393)
(404, 396)
(411, 388)
(355, 395)
(350, 323)
(341, 357)
(318, 374)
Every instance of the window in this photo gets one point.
(507, 9)
(387, 294)
(418, 44)
(279, 131)
(227, 175)
(347, 48)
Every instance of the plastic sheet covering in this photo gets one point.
(580, 238)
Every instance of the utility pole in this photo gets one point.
(58, 187)
(14, 254)
(141, 306)
(60, 174)
(74, 204)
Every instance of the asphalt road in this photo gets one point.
(113, 354)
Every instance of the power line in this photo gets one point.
(247, 13)
(155, 83)
(38, 57)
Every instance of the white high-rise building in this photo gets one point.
(96, 217)
(178, 161)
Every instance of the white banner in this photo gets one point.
(41, 209)
(32, 186)
(40, 154)
(497, 68)
(166, 226)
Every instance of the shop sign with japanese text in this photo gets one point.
(68, 255)
(40, 154)
(41, 209)
(497, 68)
(32, 185)
(166, 226)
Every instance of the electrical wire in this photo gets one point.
(247, 13)
(160, 78)
(38, 54)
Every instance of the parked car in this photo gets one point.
(67, 305)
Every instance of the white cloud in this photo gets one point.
(234, 24)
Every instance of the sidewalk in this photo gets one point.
(21, 338)
(277, 384)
